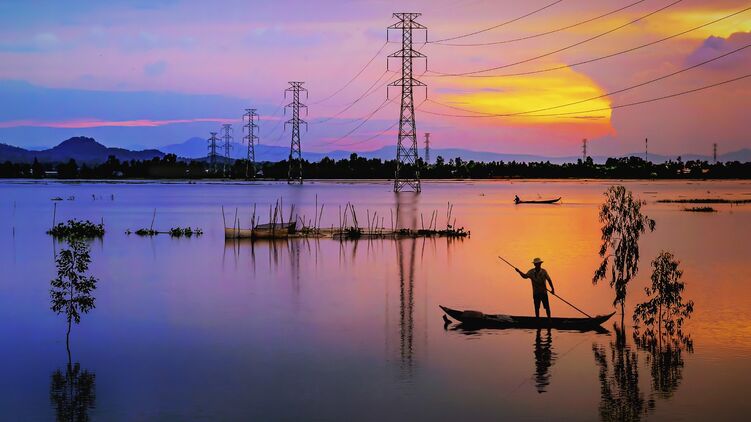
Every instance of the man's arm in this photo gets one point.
(521, 273)
(547, 276)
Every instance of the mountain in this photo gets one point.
(81, 149)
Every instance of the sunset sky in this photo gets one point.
(144, 74)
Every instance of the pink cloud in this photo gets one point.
(85, 124)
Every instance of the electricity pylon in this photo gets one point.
(584, 150)
(212, 152)
(251, 138)
(427, 148)
(227, 137)
(407, 171)
(294, 173)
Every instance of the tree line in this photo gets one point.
(357, 167)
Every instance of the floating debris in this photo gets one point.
(77, 228)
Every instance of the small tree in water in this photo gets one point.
(623, 224)
(71, 291)
(664, 313)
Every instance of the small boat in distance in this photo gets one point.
(541, 201)
(476, 319)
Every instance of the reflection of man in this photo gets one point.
(539, 277)
(543, 360)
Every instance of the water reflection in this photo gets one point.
(544, 359)
(72, 393)
(406, 304)
(620, 396)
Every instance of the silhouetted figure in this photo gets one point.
(539, 277)
(516, 199)
(544, 358)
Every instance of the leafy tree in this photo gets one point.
(623, 225)
(71, 292)
(665, 311)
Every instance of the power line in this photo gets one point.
(618, 53)
(542, 34)
(357, 75)
(393, 125)
(664, 97)
(371, 89)
(495, 26)
(602, 34)
(677, 72)
(362, 120)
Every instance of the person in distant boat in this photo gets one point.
(516, 199)
(539, 277)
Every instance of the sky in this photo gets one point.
(144, 74)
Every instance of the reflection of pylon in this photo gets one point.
(407, 172)
(294, 173)
(250, 166)
(427, 147)
(212, 151)
(227, 137)
(406, 305)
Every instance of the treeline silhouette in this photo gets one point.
(356, 167)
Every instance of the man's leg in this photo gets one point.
(536, 298)
(546, 304)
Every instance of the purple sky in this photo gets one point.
(152, 73)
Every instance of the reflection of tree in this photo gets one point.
(620, 397)
(544, 358)
(72, 393)
(665, 359)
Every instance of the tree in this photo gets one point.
(665, 311)
(37, 170)
(71, 291)
(623, 225)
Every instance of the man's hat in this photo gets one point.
(537, 261)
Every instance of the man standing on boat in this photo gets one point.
(539, 277)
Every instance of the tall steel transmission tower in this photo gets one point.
(251, 138)
(227, 145)
(646, 149)
(714, 152)
(212, 152)
(427, 147)
(294, 173)
(584, 150)
(407, 170)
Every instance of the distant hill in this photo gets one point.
(81, 149)
(87, 150)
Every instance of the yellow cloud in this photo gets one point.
(514, 95)
(685, 19)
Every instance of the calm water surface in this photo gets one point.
(203, 329)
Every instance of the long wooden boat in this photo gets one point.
(475, 319)
(542, 201)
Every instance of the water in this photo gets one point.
(203, 329)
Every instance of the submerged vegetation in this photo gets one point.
(174, 232)
(77, 229)
(700, 209)
(706, 201)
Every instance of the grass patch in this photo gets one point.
(700, 209)
(77, 228)
(705, 201)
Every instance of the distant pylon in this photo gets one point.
(646, 149)
(294, 173)
(427, 148)
(584, 150)
(251, 138)
(227, 145)
(714, 152)
(212, 151)
(407, 172)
